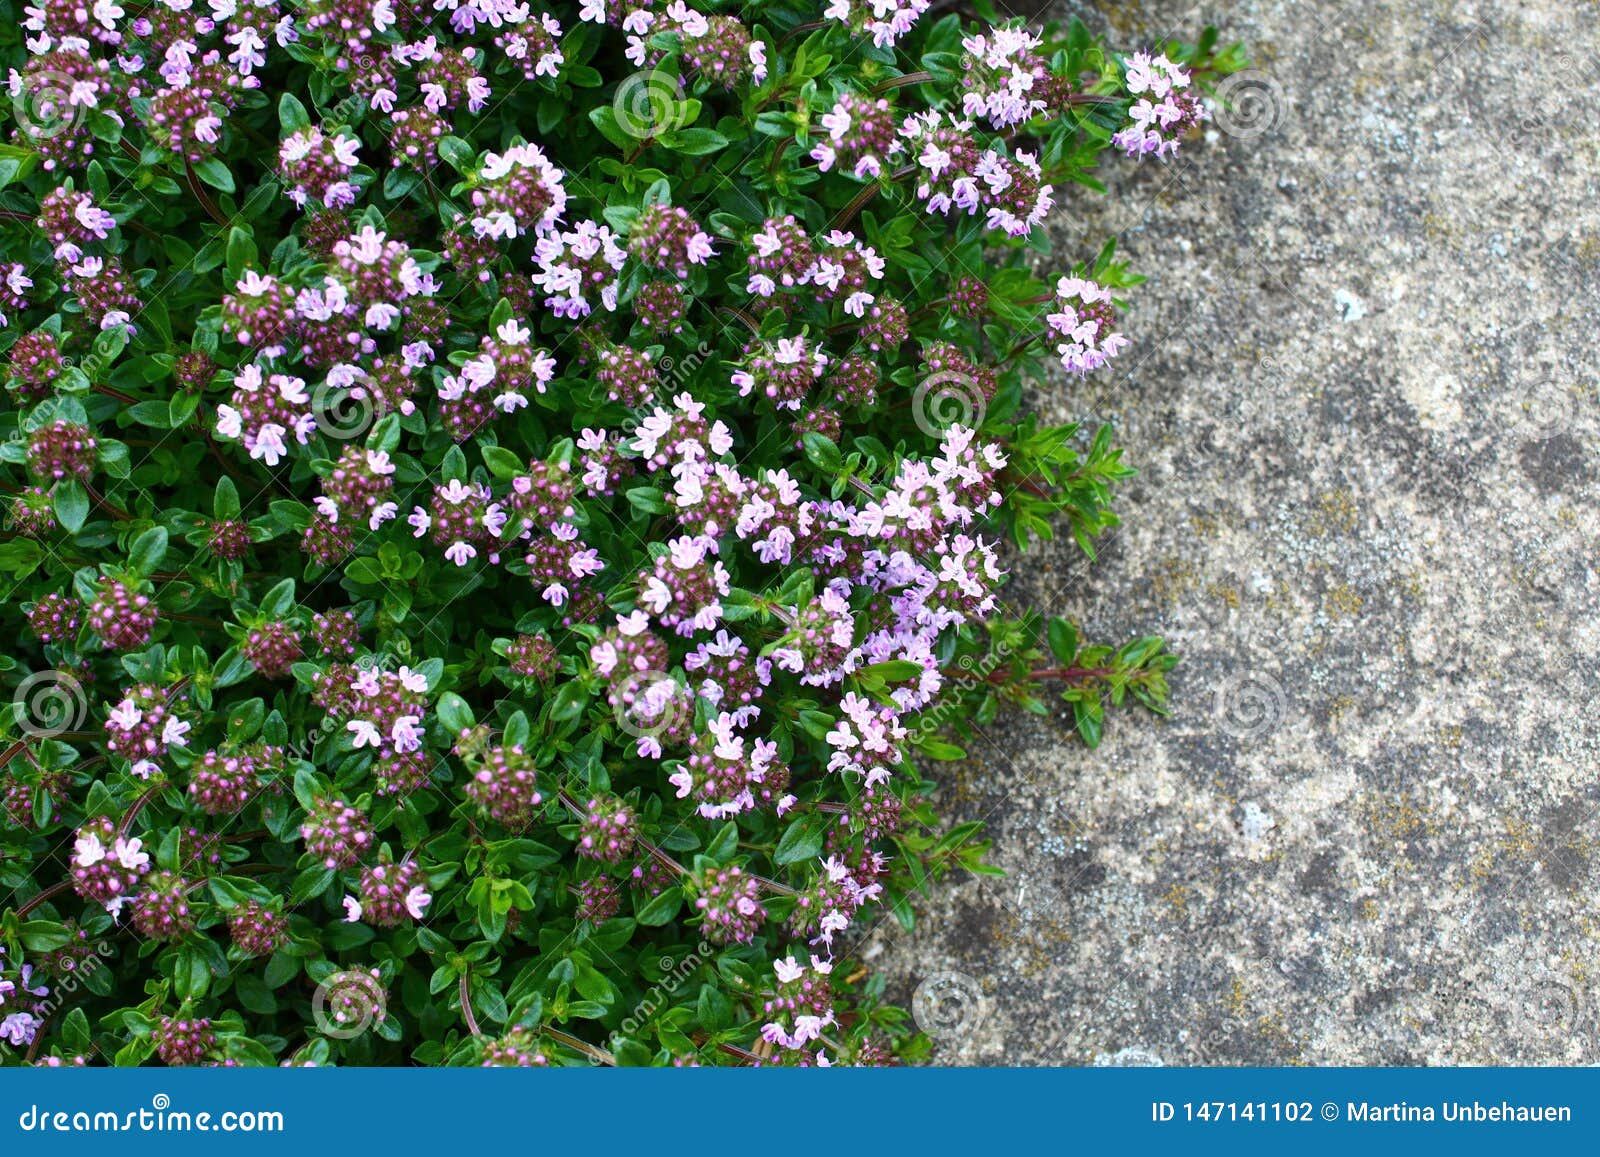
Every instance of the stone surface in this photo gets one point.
(1362, 395)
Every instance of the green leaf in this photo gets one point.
(148, 550)
(71, 503)
(242, 253)
(181, 408)
(278, 602)
(311, 883)
(151, 413)
(893, 671)
(1090, 719)
(694, 142)
(822, 453)
(647, 499)
(456, 153)
(661, 908)
(225, 500)
(231, 667)
(713, 1009)
(454, 713)
(502, 463)
(43, 935)
(108, 346)
(1063, 640)
(16, 163)
(254, 995)
(725, 844)
(192, 976)
(292, 114)
(802, 840)
(216, 174)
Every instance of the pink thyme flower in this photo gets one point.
(1164, 111)
(1084, 321)
(317, 168)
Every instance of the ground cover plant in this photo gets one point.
(506, 506)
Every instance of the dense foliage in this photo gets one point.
(504, 506)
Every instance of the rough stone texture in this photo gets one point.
(1363, 398)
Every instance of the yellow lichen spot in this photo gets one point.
(1336, 513)
(1342, 602)
(1236, 998)
(1339, 705)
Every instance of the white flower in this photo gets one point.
(405, 733)
(268, 444)
(352, 910)
(88, 850)
(129, 855)
(417, 901)
(19, 1028)
(366, 733)
(125, 715)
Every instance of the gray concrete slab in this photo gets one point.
(1363, 397)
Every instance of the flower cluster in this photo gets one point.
(1166, 108)
(23, 1006)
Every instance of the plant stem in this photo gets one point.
(145, 797)
(52, 890)
(800, 29)
(742, 1054)
(593, 1052)
(1052, 674)
(466, 1003)
(905, 81)
(847, 214)
(206, 202)
(105, 504)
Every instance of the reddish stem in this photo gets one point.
(52, 890)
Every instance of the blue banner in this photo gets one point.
(1232, 1111)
